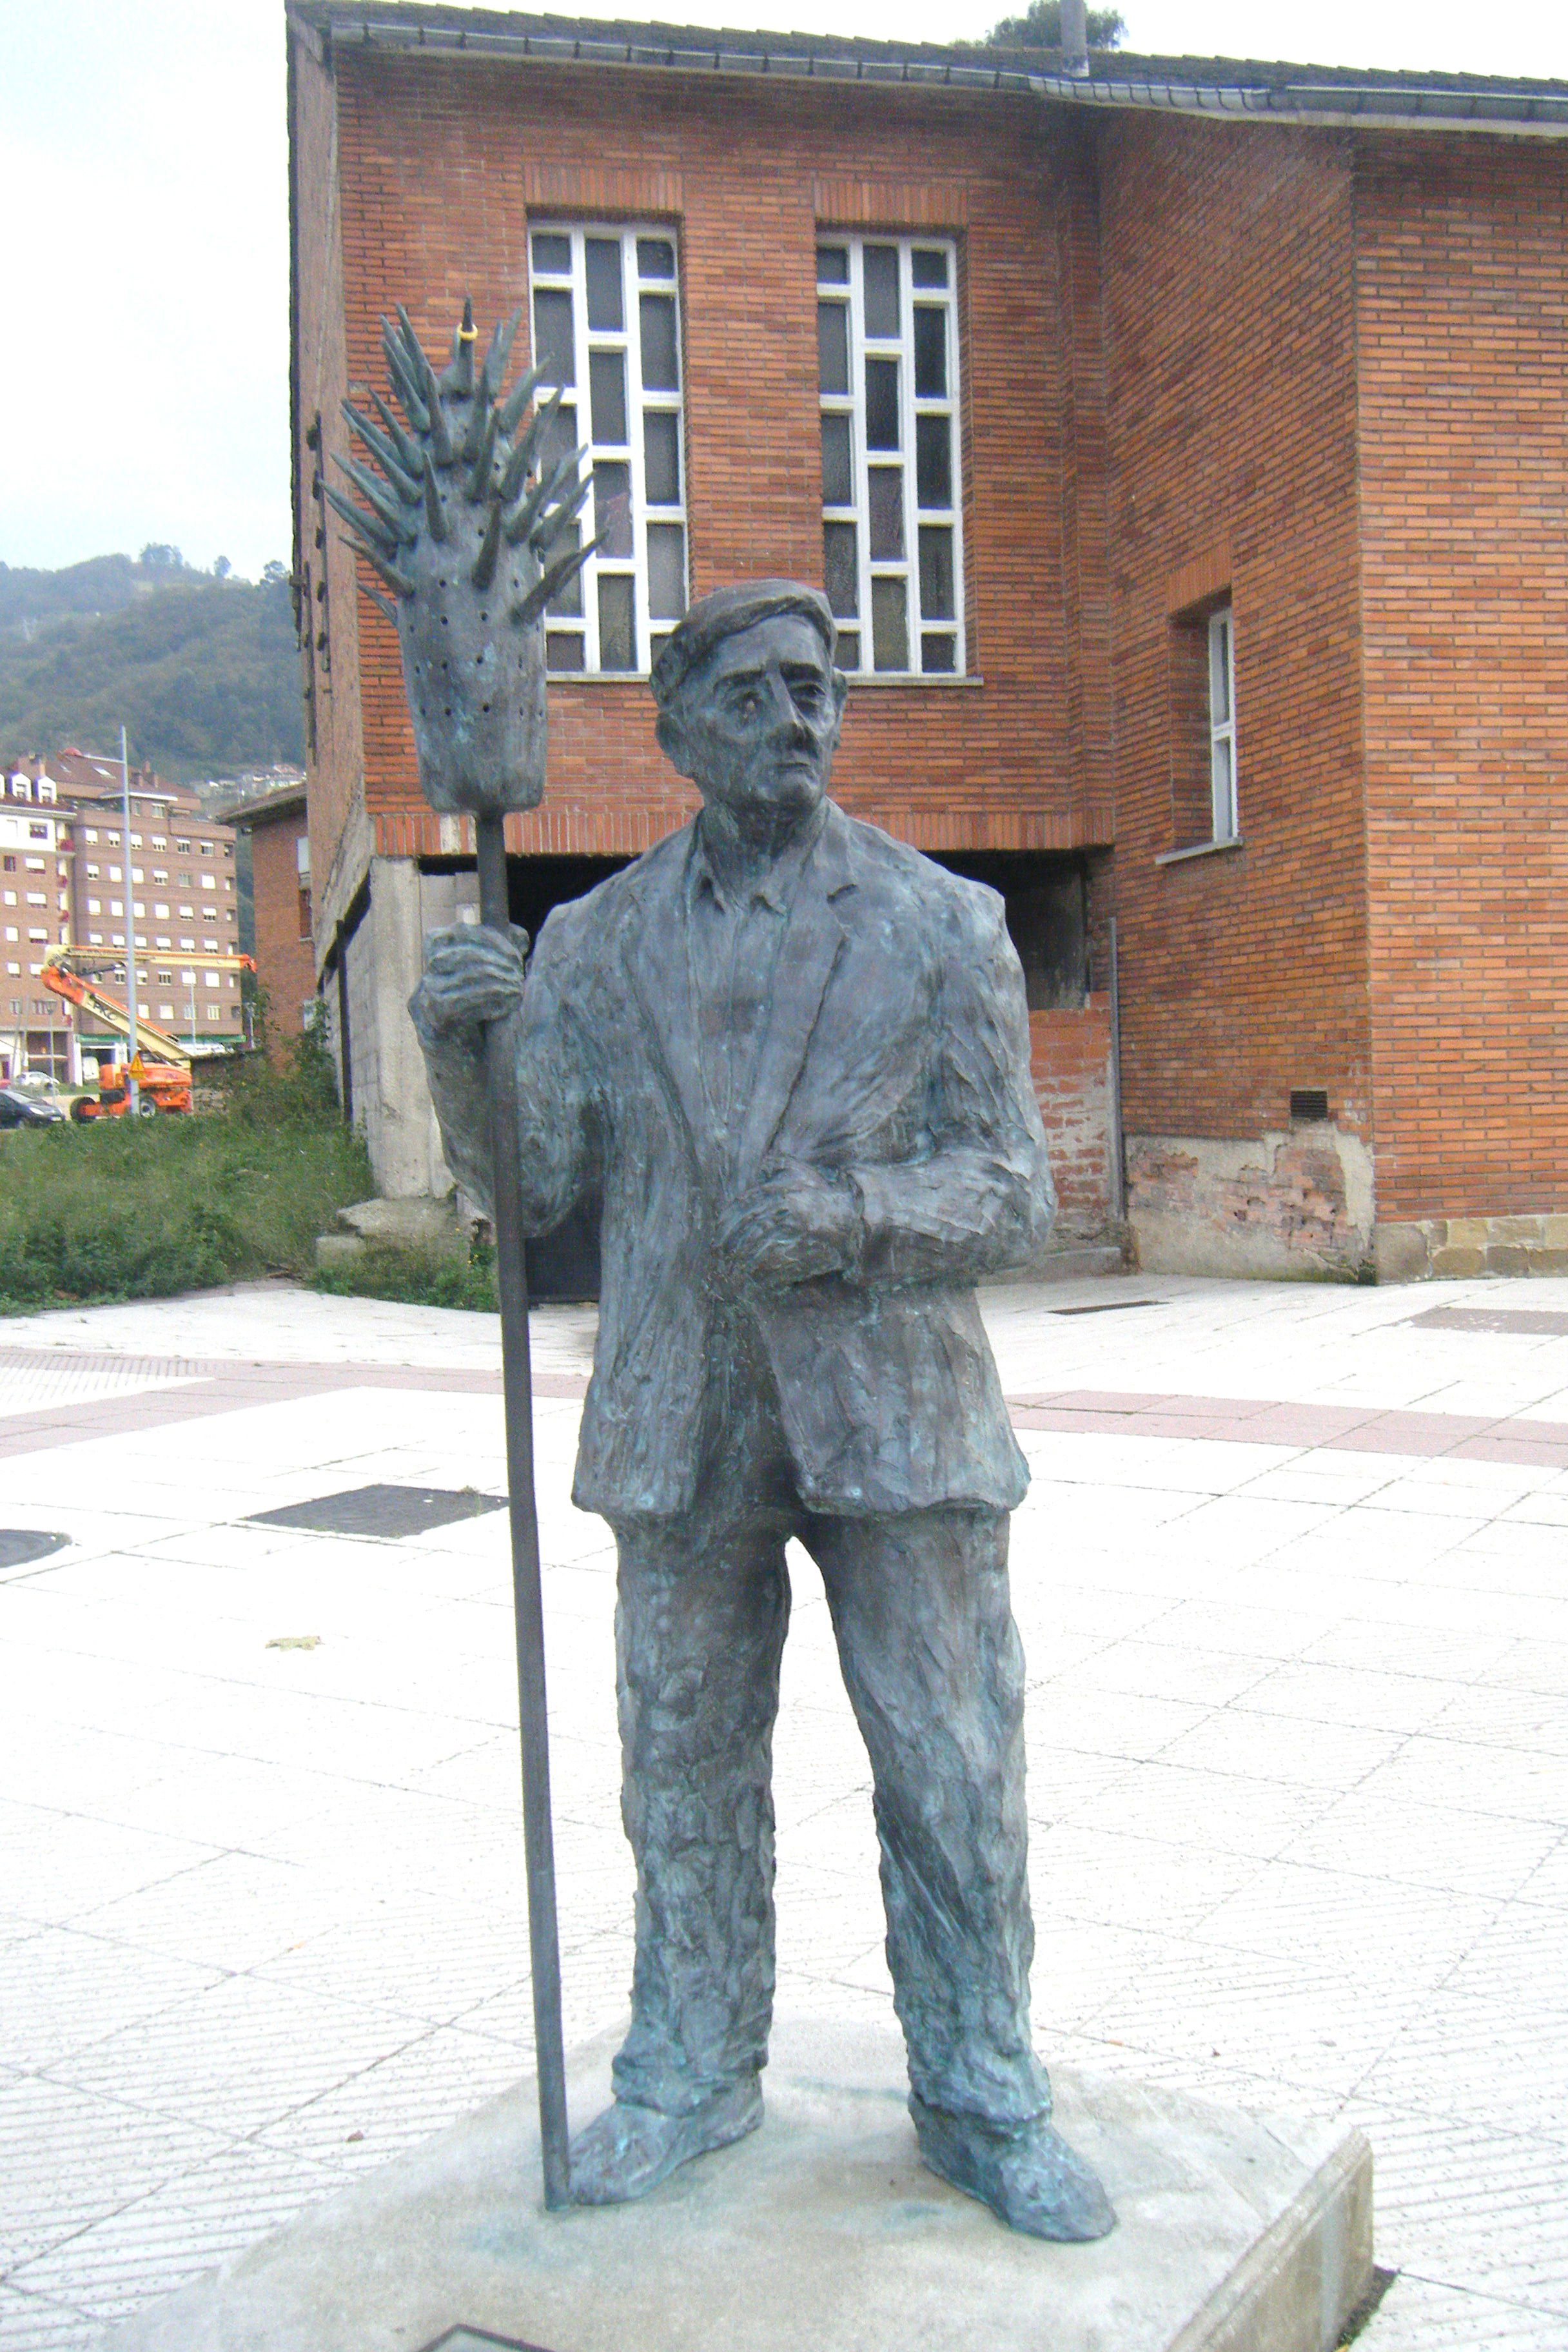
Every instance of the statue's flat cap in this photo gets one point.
(727, 612)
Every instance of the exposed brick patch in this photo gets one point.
(1287, 1203)
(1070, 1059)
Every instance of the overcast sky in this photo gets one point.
(146, 261)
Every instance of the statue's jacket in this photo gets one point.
(897, 1051)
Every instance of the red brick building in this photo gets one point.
(277, 829)
(1182, 449)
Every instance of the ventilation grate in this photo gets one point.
(388, 1511)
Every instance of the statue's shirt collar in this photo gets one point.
(777, 884)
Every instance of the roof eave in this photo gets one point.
(1338, 106)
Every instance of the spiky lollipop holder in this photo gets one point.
(473, 534)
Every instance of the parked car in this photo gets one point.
(17, 1110)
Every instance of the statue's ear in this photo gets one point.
(671, 736)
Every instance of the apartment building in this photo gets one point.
(177, 875)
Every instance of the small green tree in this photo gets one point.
(1040, 28)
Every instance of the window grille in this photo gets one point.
(606, 328)
(888, 371)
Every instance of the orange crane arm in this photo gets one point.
(115, 1013)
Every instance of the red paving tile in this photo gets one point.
(213, 1388)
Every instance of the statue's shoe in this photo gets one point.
(1026, 2173)
(630, 2150)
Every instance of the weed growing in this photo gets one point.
(143, 1208)
(416, 1278)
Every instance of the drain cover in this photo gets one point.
(19, 1545)
(1542, 1322)
(381, 1510)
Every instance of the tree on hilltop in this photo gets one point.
(1040, 28)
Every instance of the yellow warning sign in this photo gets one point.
(138, 1069)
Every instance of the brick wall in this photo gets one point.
(285, 962)
(1462, 268)
(1070, 1059)
(335, 759)
(438, 165)
(1229, 335)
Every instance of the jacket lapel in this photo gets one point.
(812, 942)
(661, 976)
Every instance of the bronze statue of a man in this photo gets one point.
(793, 1055)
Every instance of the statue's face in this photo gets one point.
(756, 725)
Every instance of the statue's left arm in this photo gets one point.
(982, 1201)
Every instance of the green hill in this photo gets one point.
(200, 672)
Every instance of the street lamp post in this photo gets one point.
(134, 1091)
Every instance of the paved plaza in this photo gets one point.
(1293, 1591)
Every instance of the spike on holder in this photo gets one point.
(474, 533)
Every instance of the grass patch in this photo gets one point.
(143, 1208)
(416, 1278)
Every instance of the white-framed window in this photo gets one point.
(1222, 723)
(605, 308)
(887, 328)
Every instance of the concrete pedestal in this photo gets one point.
(822, 2231)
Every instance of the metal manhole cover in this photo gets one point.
(19, 1545)
(381, 1510)
(1540, 1322)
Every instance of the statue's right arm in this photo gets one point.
(474, 980)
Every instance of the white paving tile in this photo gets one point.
(36, 2323)
(1296, 1782)
(62, 1991)
(69, 2156)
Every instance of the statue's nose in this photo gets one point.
(786, 719)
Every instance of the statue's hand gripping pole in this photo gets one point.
(475, 532)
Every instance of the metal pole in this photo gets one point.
(517, 1384)
(133, 1094)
